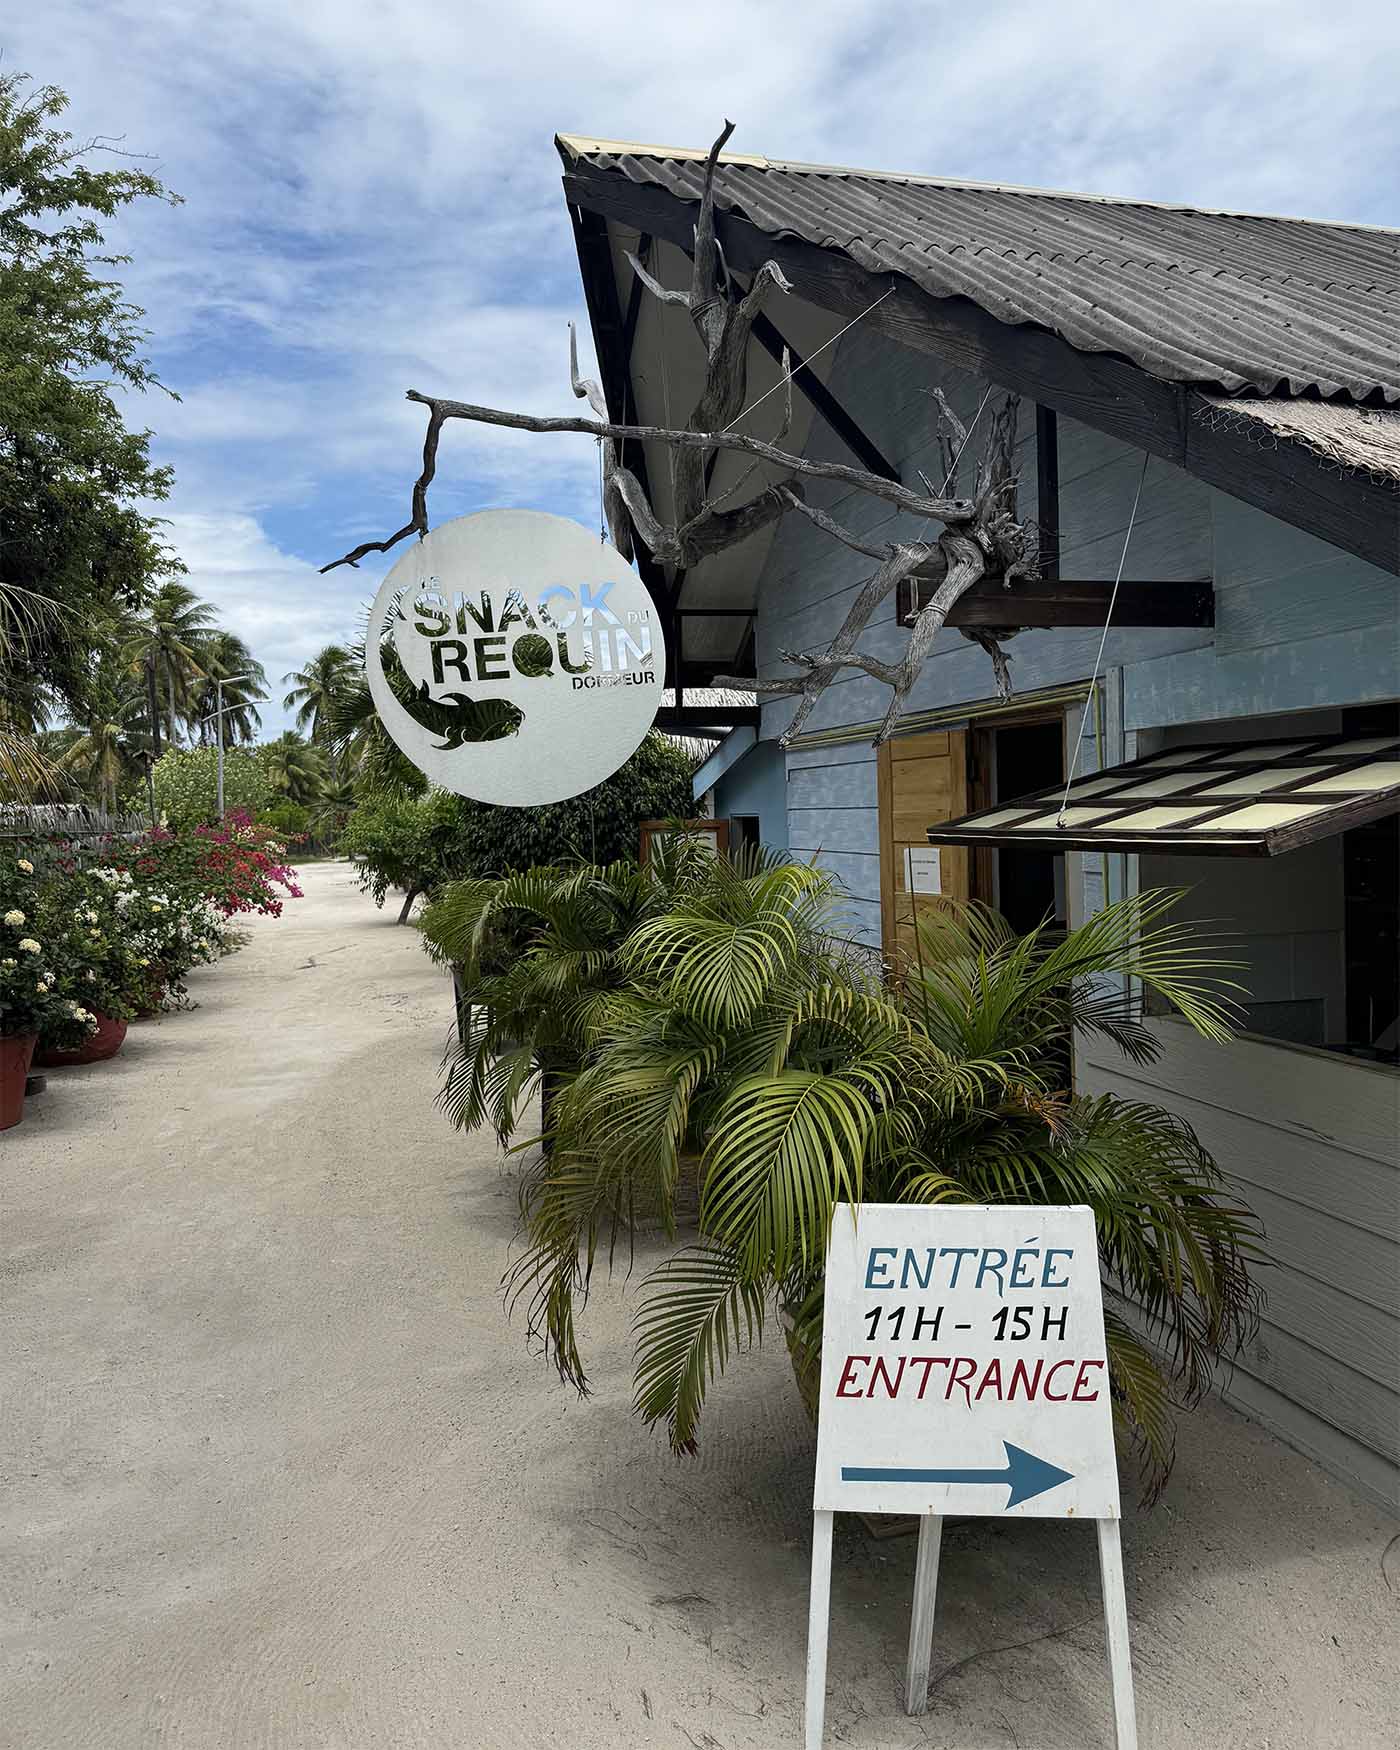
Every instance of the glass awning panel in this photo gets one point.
(1233, 799)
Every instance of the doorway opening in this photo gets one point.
(1008, 760)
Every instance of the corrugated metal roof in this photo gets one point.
(1232, 302)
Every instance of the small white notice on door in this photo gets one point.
(922, 873)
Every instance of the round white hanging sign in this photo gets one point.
(534, 654)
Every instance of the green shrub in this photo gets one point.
(599, 827)
(412, 843)
(417, 844)
(187, 785)
(289, 819)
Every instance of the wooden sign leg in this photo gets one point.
(921, 1619)
(1115, 1616)
(818, 1621)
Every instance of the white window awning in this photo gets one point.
(1231, 799)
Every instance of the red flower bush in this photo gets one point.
(238, 866)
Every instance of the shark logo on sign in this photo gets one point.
(532, 656)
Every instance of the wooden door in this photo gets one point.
(923, 779)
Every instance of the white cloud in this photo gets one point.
(281, 605)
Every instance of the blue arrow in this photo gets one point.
(1025, 1474)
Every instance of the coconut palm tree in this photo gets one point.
(362, 746)
(224, 657)
(27, 772)
(331, 809)
(167, 635)
(103, 753)
(319, 684)
(295, 769)
(738, 1027)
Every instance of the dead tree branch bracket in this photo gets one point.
(980, 541)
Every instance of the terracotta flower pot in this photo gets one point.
(105, 1042)
(148, 1004)
(15, 1054)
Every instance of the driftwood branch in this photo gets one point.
(655, 287)
(615, 509)
(969, 549)
(991, 639)
(823, 666)
(980, 535)
(830, 526)
(417, 523)
(918, 503)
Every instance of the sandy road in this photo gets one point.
(278, 1474)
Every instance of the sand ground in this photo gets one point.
(277, 1472)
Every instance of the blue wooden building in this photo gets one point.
(1228, 386)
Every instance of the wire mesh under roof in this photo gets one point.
(1233, 799)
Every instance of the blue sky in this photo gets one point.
(372, 203)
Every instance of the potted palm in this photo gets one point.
(743, 1026)
(534, 958)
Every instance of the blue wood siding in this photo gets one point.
(834, 821)
(1300, 627)
(757, 784)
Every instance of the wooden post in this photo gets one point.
(818, 1622)
(921, 1617)
(1115, 1616)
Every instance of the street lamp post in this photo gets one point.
(217, 718)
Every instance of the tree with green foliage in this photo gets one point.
(76, 483)
(320, 684)
(229, 674)
(186, 781)
(294, 769)
(408, 842)
(600, 826)
(289, 819)
(419, 842)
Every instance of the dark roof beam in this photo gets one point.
(634, 308)
(1068, 602)
(851, 433)
(609, 331)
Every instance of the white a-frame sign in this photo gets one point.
(964, 1372)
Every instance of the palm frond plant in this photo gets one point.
(27, 772)
(360, 746)
(740, 1024)
(534, 954)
